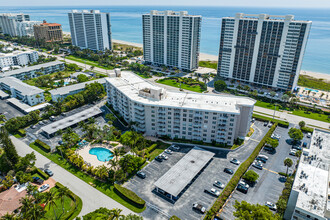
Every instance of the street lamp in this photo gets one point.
(274, 111)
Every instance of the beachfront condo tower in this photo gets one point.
(17, 24)
(171, 39)
(263, 50)
(90, 29)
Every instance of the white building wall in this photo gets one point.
(18, 58)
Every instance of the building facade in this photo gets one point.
(18, 58)
(29, 94)
(191, 116)
(17, 24)
(31, 71)
(171, 39)
(263, 50)
(90, 29)
(50, 32)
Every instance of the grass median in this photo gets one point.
(104, 187)
(88, 62)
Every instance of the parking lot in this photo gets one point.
(8, 110)
(195, 192)
(35, 133)
(270, 184)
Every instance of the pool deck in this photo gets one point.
(92, 159)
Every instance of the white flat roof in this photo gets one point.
(15, 53)
(20, 86)
(21, 105)
(71, 120)
(312, 179)
(130, 84)
(181, 174)
(3, 94)
(67, 89)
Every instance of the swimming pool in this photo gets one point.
(313, 90)
(102, 154)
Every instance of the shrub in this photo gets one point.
(151, 148)
(281, 123)
(42, 145)
(174, 218)
(42, 174)
(21, 132)
(282, 174)
(238, 174)
(251, 176)
(129, 196)
(307, 129)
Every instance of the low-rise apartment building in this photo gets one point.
(28, 94)
(18, 58)
(63, 92)
(192, 116)
(31, 71)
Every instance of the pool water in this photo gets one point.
(102, 154)
(313, 90)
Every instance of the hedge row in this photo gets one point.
(307, 129)
(129, 196)
(151, 148)
(281, 123)
(238, 174)
(42, 174)
(174, 218)
(42, 145)
(74, 211)
(21, 132)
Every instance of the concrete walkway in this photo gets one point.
(91, 197)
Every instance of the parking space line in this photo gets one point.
(254, 140)
(271, 171)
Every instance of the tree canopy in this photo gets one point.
(247, 211)
(251, 176)
(115, 214)
(296, 134)
(220, 85)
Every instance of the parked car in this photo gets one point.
(37, 180)
(253, 120)
(159, 158)
(164, 156)
(218, 184)
(275, 136)
(168, 151)
(141, 174)
(52, 118)
(296, 147)
(199, 208)
(63, 114)
(235, 161)
(48, 172)
(41, 123)
(229, 171)
(257, 164)
(212, 192)
(269, 149)
(309, 135)
(242, 189)
(174, 148)
(271, 206)
(304, 144)
(43, 188)
(270, 125)
(293, 152)
(33, 126)
(243, 183)
(263, 156)
(265, 123)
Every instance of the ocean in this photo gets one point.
(126, 24)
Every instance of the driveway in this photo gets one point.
(91, 197)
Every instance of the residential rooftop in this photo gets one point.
(30, 68)
(312, 177)
(130, 84)
(266, 17)
(15, 53)
(182, 173)
(171, 13)
(20, 86)
(67, 89)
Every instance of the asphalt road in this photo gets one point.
(91, 197)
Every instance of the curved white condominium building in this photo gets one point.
(191, 116)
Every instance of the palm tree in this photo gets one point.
(288, 163)
(2, 118)
(9, 216)
(26, 206)
(116, 154)
(206, 78)
(115, 214)
(50, 199)
(63, 192)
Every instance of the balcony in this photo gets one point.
(141, 108)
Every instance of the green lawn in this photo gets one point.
(68, 203)
(171, 82)
(311, 82)
(88, 62)
(209, 64)
(266, 105)
(105, 188)
(160, 149)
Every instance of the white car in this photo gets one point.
(218, 184)
(276, 137)
(235, 161)
(257, 164)
(293, 152)
(242, 183)
(164, 156)
(271, 206)
(309, 135)
(43, 188)
(168, 151)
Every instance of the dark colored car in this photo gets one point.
(48, 172)
(159, 158)
(199, 208)
(141, 174)
(265, 123)
(304, 144)
(37, 180)
(261, 159)
(296, 147)
(269, 149)
(229, 171)
(242, 189)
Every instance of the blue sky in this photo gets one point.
(250, 3)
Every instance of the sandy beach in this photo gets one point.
(324, 76)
